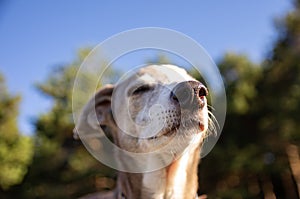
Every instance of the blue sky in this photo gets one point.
(36, 36)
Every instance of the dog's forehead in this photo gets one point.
(163, 74)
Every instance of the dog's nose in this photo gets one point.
(189, 93)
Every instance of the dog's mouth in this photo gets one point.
(171, 132)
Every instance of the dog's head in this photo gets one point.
(150, 108)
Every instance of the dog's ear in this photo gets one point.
(103, 105)
(96, 114)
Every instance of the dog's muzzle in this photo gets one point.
(189, 94)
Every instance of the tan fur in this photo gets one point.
(179, 179)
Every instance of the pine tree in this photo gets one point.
(62, 167)
(16, 150)
(257, 155)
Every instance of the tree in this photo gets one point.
(281, 97)
(16, 150)
(61, 167)
(257, 155)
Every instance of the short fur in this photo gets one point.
(152, 85)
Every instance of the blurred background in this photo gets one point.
(256, 45)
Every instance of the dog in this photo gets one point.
(157, 108)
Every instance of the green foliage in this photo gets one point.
(240, 78)
(253, 157)
(61, 167)
(283, 73)
(15, 150)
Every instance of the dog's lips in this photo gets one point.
(201, 126)
(173, 130)
(195, 122)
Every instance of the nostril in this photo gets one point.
(173, 96)
(203, 92)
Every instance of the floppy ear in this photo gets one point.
(102, 107)
(96, 114)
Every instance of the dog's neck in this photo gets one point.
(178, 180)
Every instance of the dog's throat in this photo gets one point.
(178, 180)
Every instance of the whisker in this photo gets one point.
(213, 123)
(211, 107)
(211, 128)
(214, 118)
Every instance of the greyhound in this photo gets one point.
(158, 105)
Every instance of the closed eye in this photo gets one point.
(142, 89)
